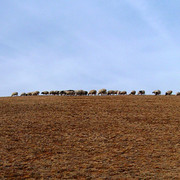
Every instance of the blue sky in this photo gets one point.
(89, 44)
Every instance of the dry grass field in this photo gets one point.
(109, 137)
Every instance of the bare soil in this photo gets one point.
(109, 137)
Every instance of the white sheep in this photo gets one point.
(156, 92)
(168, 93)
(92, 92)
(102, 92)
(141, 92)
(14, 94)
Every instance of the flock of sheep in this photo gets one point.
(91, 92)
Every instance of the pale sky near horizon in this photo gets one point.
(89, 44)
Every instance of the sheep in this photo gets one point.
(62, 92)
(168, 93)
(133, 92)
(23, 94)
(80, 92)
(35, 93)
(111, 92)
(122, 93)
(14, 94)
(29, 94)
(178, 94)
(85, 93)
(116, 92)
(102, 91)
(141, 92)
(52, 93)
(119, 93)
(156, 92)
(45, 93)
(69, 92)
(56, 92)
(92, 92)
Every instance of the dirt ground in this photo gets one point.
(109, 137)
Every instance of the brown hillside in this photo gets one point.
(110, 137)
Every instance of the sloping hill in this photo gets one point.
(90, 137)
